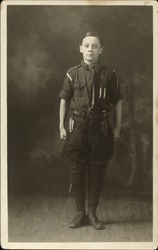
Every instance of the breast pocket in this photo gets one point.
(80, 88)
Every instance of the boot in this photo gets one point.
(94, 221)
(79, 220)
(94, 189)
(79, 195)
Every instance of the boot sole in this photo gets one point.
(80, 225)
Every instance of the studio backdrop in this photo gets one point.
(42, 44)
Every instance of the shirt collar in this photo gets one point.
(85, 66)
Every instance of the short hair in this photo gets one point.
(93, 33)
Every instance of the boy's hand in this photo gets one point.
(62, 133)
(116, 133)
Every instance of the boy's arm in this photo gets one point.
(62, 113)
(118, 116)
(65, 97)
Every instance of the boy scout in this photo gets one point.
(89, 93)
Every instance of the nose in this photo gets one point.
(90, 48)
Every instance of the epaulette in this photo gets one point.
(111, 70)
(106, 68)
(71, 71)
(74, 68)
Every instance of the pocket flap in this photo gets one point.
(79, 84)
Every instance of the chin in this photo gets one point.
(90, 59)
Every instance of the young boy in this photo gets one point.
(89, 93)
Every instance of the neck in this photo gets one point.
(90, 63)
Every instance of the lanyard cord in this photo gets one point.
(93, 90)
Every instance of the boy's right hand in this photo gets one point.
(62, 133)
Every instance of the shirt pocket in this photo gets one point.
(80, 88)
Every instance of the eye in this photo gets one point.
(94, 46)
(86, 45)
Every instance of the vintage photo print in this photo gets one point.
(79, 101)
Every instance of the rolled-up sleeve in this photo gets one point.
(67, 88)
(114, 88)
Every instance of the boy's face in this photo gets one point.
(91, 49)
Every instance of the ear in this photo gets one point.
(101, 50)
(81, 50)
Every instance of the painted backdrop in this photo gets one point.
(43, 42)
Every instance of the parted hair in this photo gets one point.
(93, 33)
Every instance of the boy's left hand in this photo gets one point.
(116, 133)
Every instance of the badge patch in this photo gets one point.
(104, 94)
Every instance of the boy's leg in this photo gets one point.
(75, 150)
(101, 152)
(95, 183)
(77, 179)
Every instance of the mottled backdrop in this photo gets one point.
(43, 42)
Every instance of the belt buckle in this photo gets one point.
(104, 113)
(76, 112)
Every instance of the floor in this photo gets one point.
(42, 215)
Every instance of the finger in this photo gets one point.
(64, 137)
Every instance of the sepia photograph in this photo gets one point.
(78, 88)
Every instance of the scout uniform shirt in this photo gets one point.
(86, 86)
(89, 88)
